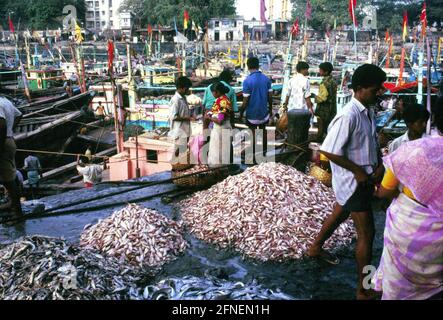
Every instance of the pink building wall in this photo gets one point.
(123, 166)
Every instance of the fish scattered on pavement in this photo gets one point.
(193, 288)
(41, 268)
(138, 236)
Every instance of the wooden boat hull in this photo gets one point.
(70, 104)
(46, 134)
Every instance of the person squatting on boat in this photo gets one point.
(92, 173)
(9, 118)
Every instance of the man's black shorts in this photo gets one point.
(360, 201)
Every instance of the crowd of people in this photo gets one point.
(410, 176)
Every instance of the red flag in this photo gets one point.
(11, 25)
(110, 55)
(149, 29)
(186, 19)
(295, 28)
(423, 19)
(352, 6)
(308, 9)
(405, 25)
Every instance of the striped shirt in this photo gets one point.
(352, 134)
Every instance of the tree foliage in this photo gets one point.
(164, 11)
(38, 15)
(389, 12)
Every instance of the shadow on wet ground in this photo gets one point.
(304, 279)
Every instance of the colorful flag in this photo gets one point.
(186, 19)
(295, 28)
(263, 10)
(78, 33)
(423, 20)
(110, 55)
(149, 29)
(352, 7)
(405, 25)
(308, 10)
(11, 25)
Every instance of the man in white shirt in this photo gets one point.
(180, 116)
(9, 118)
(299, 90)
(416, 118)
(352, 147)
(92, 173)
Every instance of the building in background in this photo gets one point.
(105, 15)
(226, 29)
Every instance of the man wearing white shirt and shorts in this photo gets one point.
(352, 147)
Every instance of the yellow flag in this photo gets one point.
(78, 33)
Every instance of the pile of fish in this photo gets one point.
(192, 288)
(271, 212)
(40, 268)
(138, 236)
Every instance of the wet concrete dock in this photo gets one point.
(306, 279)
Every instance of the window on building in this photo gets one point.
(110, 3)
(103, 2)
(110, 13)
(235, 24)
(97, 14)
(103, 23)
(90, 4)
(103, 13)
(97, 24)
(217, 24)
(97, 4)
(152, 156)
(111, 23)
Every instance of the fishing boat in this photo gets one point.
(47, 133)
(62, 105)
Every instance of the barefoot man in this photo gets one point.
(352, 147)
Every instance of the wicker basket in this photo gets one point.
(183, 163)
(321, 175)
(199, 180)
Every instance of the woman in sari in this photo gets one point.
(220, 125)
(411, 266)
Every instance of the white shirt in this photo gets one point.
(299, 89)
(352, 135)
(179, 108)
(394, 145)
(91, 173)
(9, 113)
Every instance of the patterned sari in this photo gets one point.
(411, 266)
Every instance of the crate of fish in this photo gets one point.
(199, 176)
